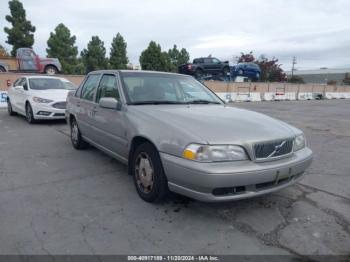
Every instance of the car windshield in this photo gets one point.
(49, 83)
(156, 88)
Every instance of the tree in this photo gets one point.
(21, 33)
(118, 58)
(177, 57)
(94, 57)
(332, 82)
(246, 58)
(62, 45)
(271, 71)
(346, 79)
(296, 80)
(3, 51)
(154, 59)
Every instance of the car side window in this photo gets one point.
(108, 88)
(89, 88)
(207, 60)
(21, 82)
(24, 83)
(17, 82)
(216, 61)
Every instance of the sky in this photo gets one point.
(317, 32)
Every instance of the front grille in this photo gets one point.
(273, 149)
(60, 105)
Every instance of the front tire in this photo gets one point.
(77, 140)
(149, 178)
(198, 73)
(29, 114)
(9, 108)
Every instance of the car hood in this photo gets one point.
(52, 94)
(218, 124)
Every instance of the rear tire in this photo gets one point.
(51, 70)
(77, 140)
(226, 71)
(149, 178)
(9, 108)
(29, 114)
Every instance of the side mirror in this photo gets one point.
(109, 102)
(25, 86)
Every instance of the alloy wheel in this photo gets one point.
(74, 132)
(9, 107)
(144, 173)
(29, 114)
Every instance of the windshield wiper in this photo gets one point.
(156, 103)
(202, 101)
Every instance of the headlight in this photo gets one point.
(215, 153)
(299, 142)
(41, 100)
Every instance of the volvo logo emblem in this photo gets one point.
(277, 149)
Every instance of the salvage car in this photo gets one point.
(204, 66)
(39, 97)
(250, 70)
(28, 61)
(175, 134)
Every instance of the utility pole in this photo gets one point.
(293, 63)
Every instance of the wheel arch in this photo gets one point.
(135, 142)
(71, 117)
(52, 65)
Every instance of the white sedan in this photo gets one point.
(39, 97)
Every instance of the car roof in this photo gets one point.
(46, 77)
(133, 71)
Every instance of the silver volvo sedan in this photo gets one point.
(175, 134)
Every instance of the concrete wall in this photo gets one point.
(217, 86)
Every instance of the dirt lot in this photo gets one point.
(56, 200)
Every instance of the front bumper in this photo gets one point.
(49, 112)
(225, 181)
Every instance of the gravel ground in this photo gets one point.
(56, 200)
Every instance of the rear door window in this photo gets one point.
(89, 87)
